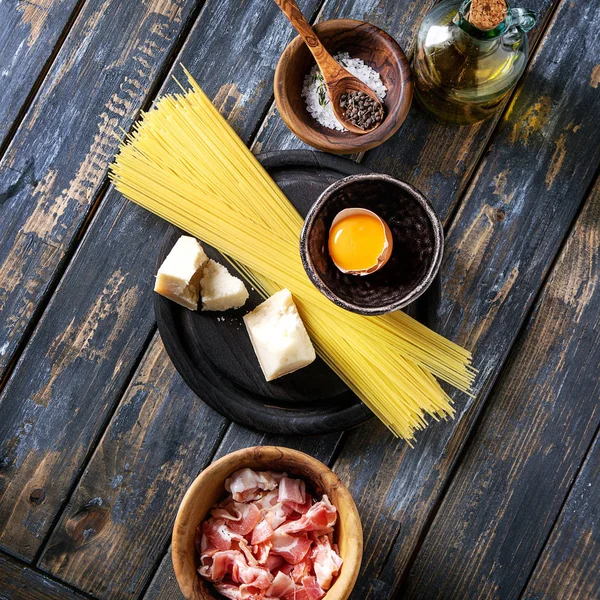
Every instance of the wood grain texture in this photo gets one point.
(76, 367)
(437, 158)
(526, 451)
(19, 582)
(569, 566)
(101, 315)
(384, 486)
(154, 431)
(57, 161)
(29, 35)
(498, 251)
(123, 232)
(399, 19)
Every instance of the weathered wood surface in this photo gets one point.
(57, 160)
(527, 449)
(358, 470)
(41, 407)
(569, 566)
(523, 199)
(65, 518)
(104, 247)
(30, 35)
(20, 582)
(396, 488)
(434, 157)
(117, 495)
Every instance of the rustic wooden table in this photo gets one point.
(99, 437)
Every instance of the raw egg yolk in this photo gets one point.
(356, 242)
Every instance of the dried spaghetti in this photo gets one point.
(186, 164)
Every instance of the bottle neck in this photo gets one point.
(482, 36)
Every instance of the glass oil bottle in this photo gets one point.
(462, 73)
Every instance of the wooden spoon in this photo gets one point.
(337, 79)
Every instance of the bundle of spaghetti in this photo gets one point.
(187, 165)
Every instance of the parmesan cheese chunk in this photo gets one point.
(278, 336)
(177, 278)
(220, 290)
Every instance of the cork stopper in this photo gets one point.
(487, 14)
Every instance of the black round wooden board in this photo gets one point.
(212, 350)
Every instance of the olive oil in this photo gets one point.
(462, 74)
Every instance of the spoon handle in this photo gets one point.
(327, 64)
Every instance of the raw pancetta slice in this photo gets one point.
(281, 586)
(261, 533)
(312, 588)
(246, 484)
(319, 516)
(292, 491)
(292, 548)
(269, 540)
(326, 562)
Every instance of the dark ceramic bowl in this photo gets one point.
(417, 252)
(361, 40)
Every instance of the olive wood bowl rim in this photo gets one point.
(355, 142)
(183, 548)
(417, 291)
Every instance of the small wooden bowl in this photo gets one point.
(208, 488)
(417, 252)
(361, 40)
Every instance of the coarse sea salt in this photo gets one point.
(315, 93)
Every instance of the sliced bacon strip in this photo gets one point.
(281, 586)
(327, 563)
(249, 518)
(292, 548)
(262, 532)
(273, 562)
(262, 552)
(312, 588)
(218, 534)
(292, 491)
(302, 569)
(321, 515)
(302, 508)
(269, 540)
(224, 563)
(245, 484)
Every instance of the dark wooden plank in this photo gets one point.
(29, 36)
(522, 201)
(20, 582)
(119, 515)
(400, 19)
(65, 386)
(569, 568)
(524, 456)
(230, 103)
(57, 160)
(117, 236)
(372, 468)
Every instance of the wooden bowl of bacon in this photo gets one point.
(267, 523)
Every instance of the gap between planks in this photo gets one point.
(103, 188)
(488, 390)
(18, 121)
(42, 574)
(485, 145)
